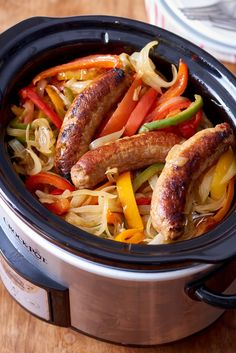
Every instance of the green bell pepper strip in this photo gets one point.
(16, 124)
(181, 117)
(146, 174)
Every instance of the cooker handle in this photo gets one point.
(209, 289)
(222, 301)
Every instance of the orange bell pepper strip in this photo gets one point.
(121, 115)
(128, 202)
(140, 111)
(211, 221)
(132, 236)
(93, 200)
(114, 217)
(34, 182)
(59, 207)
(28, 92)
(179, 86)
(105, 61)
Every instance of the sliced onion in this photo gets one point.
(15, 132)
(65, 100)
(112, 174)
(152, 181)
(204, 188)
(125, 62)
(44, 137)
(210, 205)
(100, 141)
(77, 86)
(48, 164)
(145, 69)
(157, 240)
(37, 164)
(137, 93)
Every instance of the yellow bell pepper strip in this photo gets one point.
(179, 86)
(211, 221)
(181, 117)
(128, 202)
(146, 174)
(33, 182)
(56, 101)
(218, 188)
(132, 236)
(28, 92)
(81, 74)
(104, 61)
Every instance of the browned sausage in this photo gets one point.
(85, 115)
(184, 164)
(128, 153)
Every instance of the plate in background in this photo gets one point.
(206, 23)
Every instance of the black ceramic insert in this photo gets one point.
(38, 43)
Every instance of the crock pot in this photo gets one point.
(122, 293)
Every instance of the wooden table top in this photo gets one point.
(20, 332)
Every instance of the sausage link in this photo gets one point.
(184, 165)
(84, 116)
(128, 153)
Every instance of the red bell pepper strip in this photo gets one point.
(59, 207)
(121, 115)
(28, 92)
(189, 128)
(140, 111)
(45, 178)
(177, 119)
(143, 201)
(56, 191)
(105, 61)
(179, 86)
(164, 109)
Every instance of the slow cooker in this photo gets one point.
(122, 293)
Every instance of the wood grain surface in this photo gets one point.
(20, 332)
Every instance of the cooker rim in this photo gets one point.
(202, 249)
